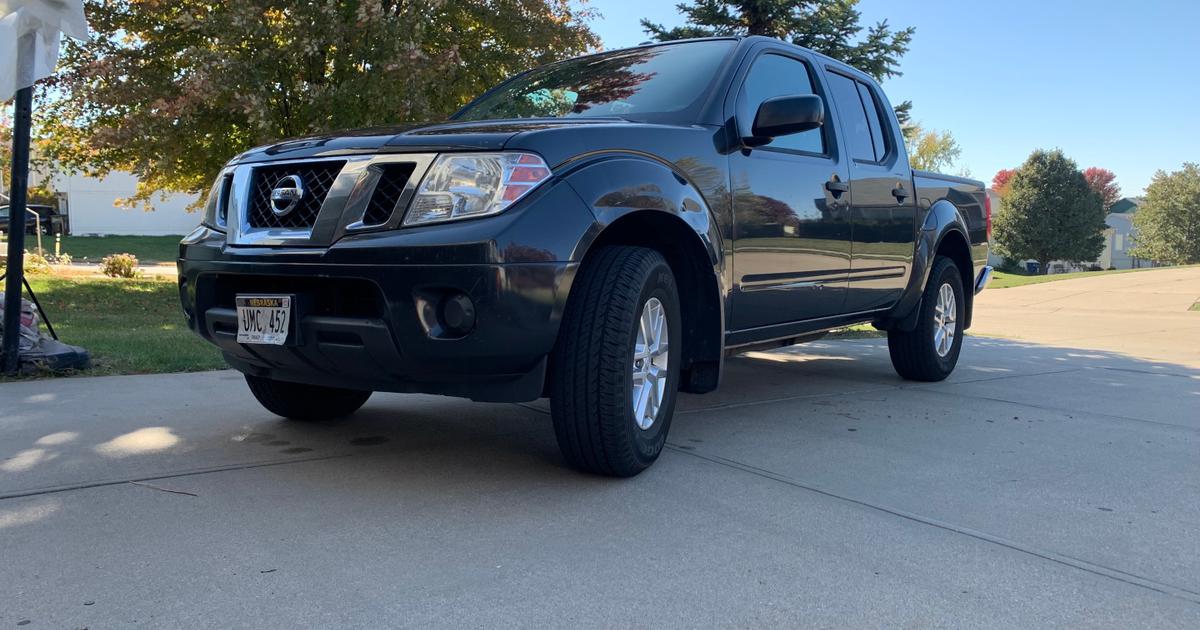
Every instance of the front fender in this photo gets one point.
(641, 201)
(616, 185)
(941, 219)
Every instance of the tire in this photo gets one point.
(312, 403)
(916, 355)
(594, 360)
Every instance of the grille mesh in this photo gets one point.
(317, 177)
(387, 193)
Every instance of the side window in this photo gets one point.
(776, 75)
(854, 117)
(873, 120)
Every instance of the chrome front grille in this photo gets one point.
(393, 178)
(317, 178)
(342, 195)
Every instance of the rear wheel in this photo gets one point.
(298, 401)
(930, 352)
(616, 363)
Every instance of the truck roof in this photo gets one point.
(751, 39)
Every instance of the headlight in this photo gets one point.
(467, 185)
(214, 207)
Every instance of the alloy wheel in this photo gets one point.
(650, 363)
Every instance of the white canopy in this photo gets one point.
(30, 31)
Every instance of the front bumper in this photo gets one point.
(375, 326)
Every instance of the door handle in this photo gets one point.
(899, 193)
(836, 187)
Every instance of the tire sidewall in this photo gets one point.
(948, 275)
(648, 443)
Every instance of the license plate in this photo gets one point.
(263, 319)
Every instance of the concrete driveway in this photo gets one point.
(1142, 313)
(1041, 486)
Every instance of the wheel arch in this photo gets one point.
(953, 245)
(642, 202)
(943, 232)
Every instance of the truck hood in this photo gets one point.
(487, 135)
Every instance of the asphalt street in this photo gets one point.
(1040, 486)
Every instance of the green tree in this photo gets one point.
(1167, 225)
(932, 150)
(171, 90)
(40, 169)
(1050, 213)
(831, 27)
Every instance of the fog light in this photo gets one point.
(458, 314)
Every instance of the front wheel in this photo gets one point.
(616, 363)
(298, 401)
(930, 352)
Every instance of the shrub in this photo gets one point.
(1011, 265)
(120, 266)
(36, 264)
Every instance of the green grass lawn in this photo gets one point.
(857, 331)
(148, 249)
(129, 326)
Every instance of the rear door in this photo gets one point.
(791, 232)
(882, 202)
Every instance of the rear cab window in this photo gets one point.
(861, 136)
(874, 120)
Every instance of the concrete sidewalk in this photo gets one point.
(1040, 486)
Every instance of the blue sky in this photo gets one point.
(1112, 84)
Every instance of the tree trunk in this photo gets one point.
(1043, 267)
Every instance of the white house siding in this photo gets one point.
(1118, 241)
(91, 205)
(994, 257)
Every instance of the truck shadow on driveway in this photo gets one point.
(798, 394)
(1085, 459)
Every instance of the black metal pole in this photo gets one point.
(18, 189)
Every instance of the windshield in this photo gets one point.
(634, 83)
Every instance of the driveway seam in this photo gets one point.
(1062, 559)
(184, 473)
(1151, 373)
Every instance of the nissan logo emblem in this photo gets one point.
(287, 195)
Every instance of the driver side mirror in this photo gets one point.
(786, 115)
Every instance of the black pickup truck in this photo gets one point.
(602, 231)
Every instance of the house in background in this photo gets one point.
(1118, 240)
(91, 204)
(994, 258)
(91, 209)
(1126, 205)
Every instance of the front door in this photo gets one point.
(791, 250)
